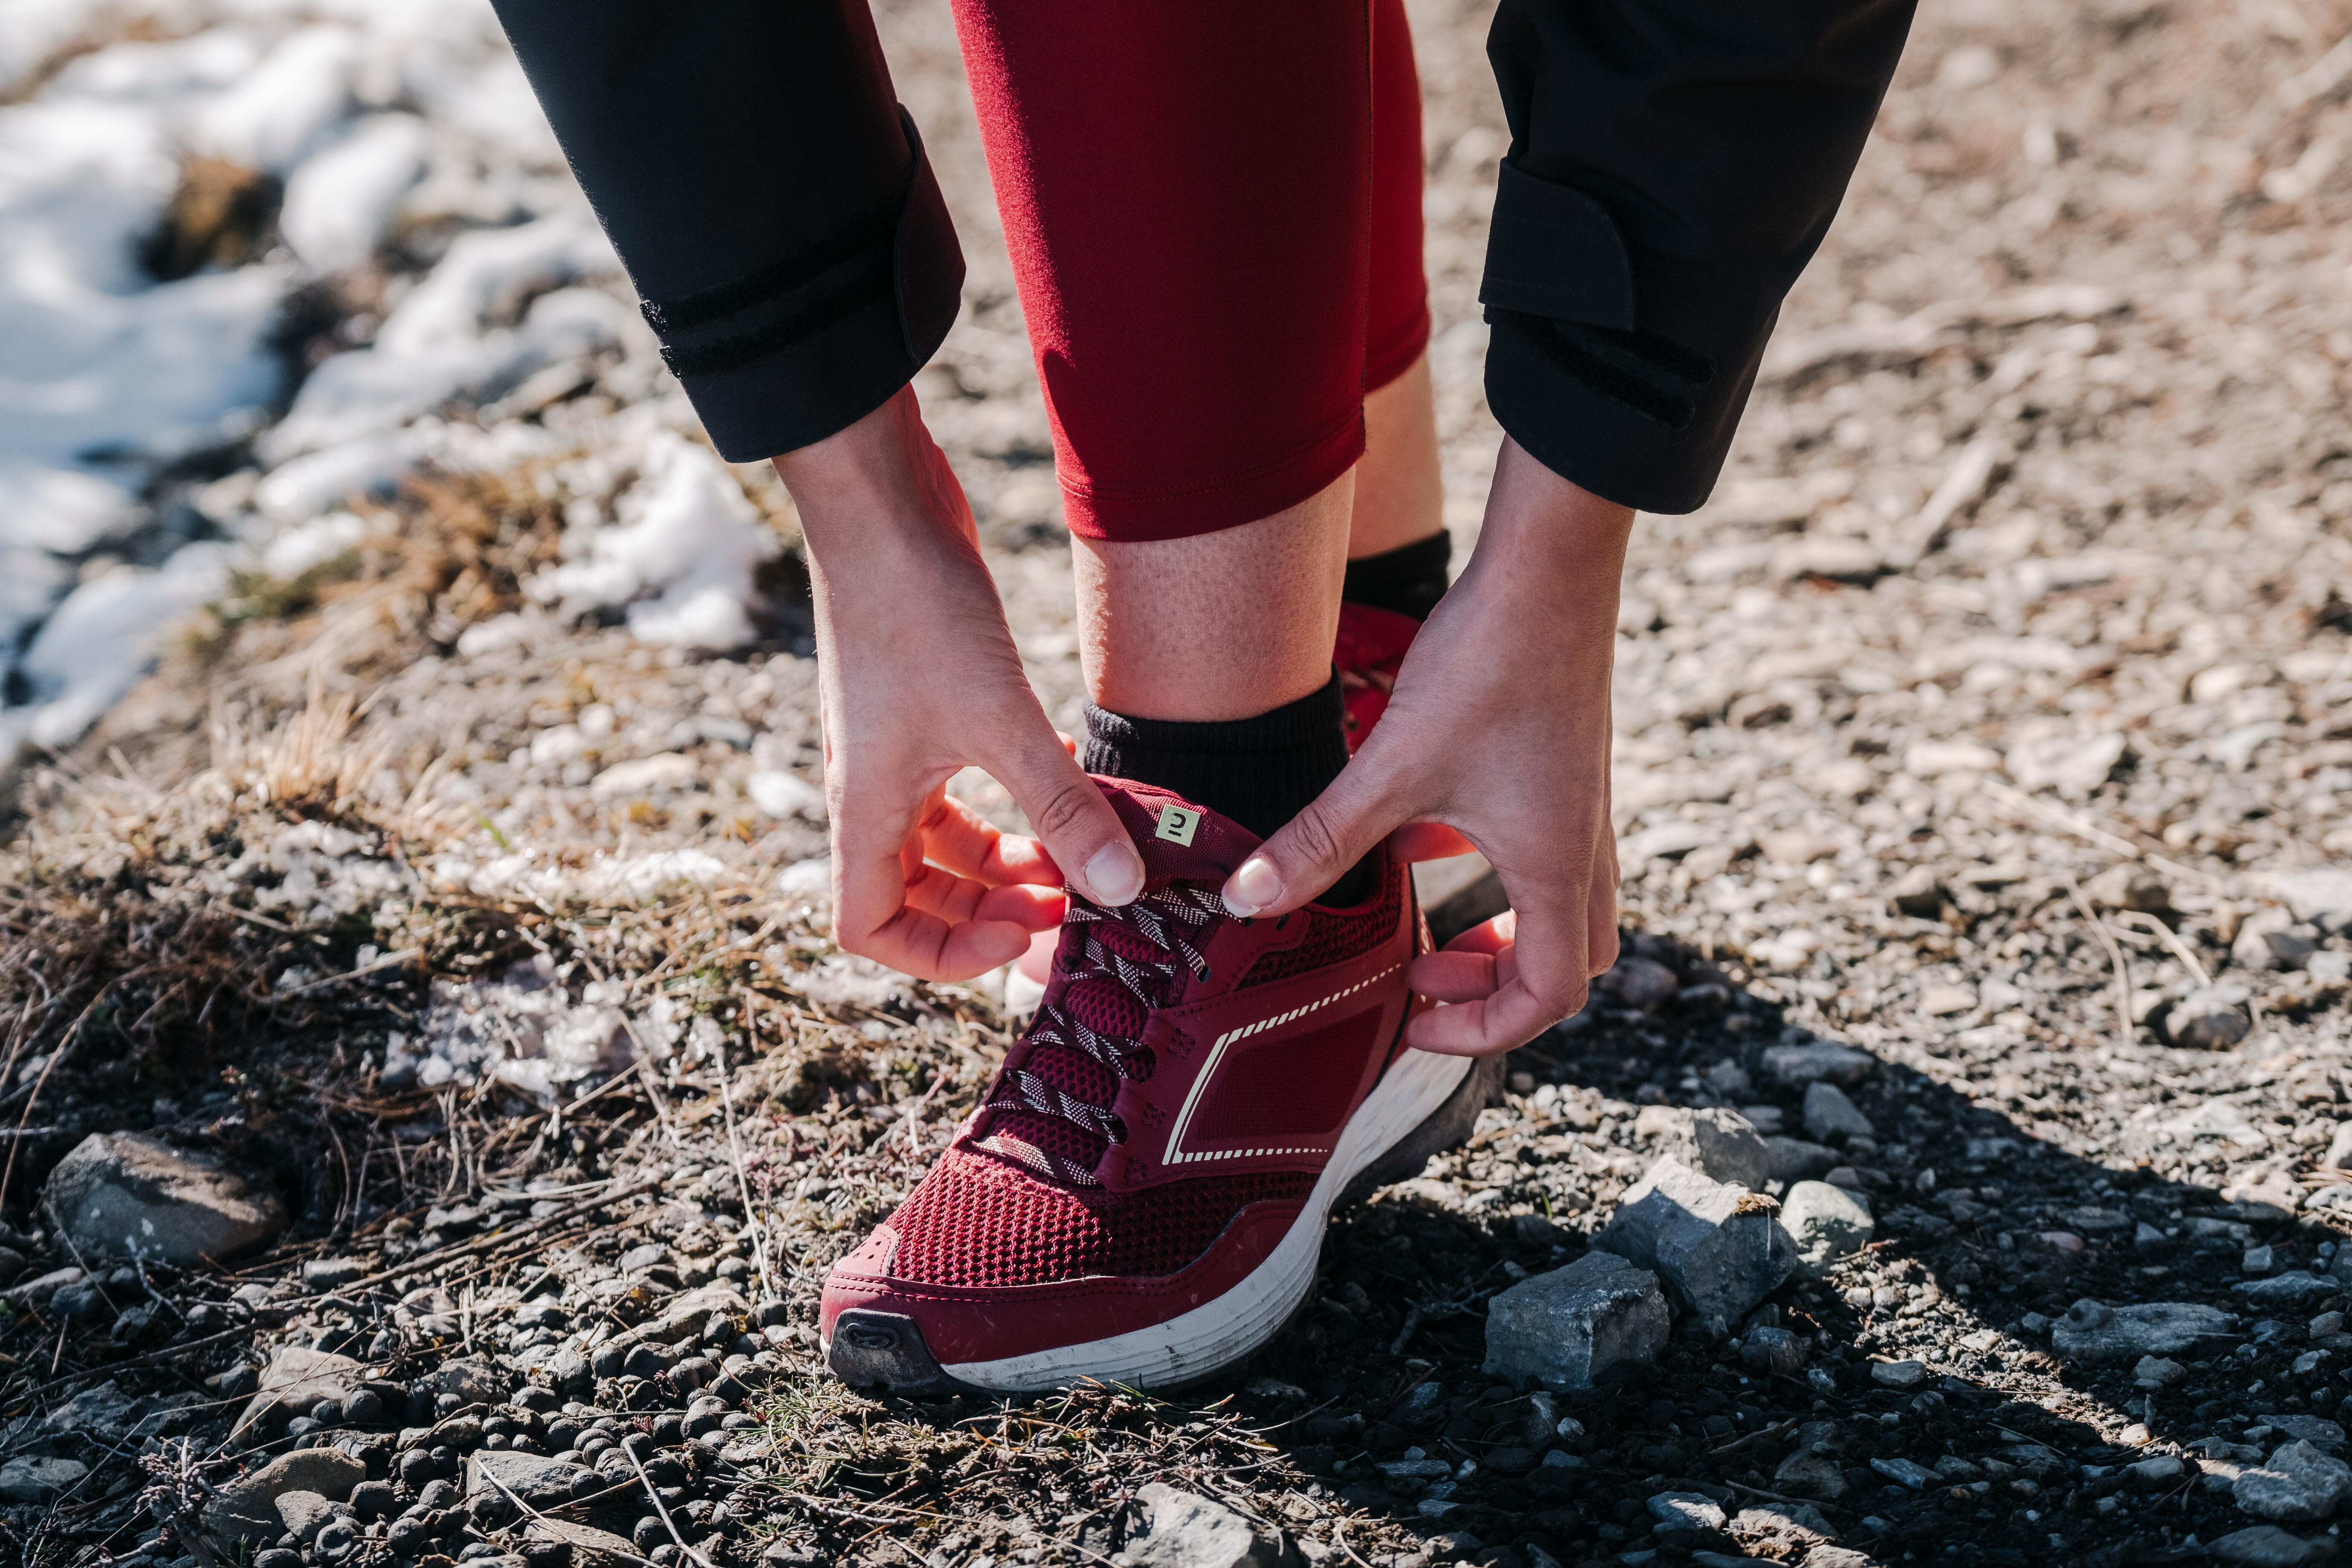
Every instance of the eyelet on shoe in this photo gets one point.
(1282, 922)
(1201, 972)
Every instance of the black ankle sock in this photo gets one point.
(1259, 772)
(1410, 579)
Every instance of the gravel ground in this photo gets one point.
(1981, 751)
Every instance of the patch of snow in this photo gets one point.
(340, 204)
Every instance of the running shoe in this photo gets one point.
(1141, 1198)
(1368, 651)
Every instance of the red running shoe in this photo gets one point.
(1369, 650)
(1141, 1198)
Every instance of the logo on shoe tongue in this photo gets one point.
(1178, 824)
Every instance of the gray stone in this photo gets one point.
(1825, 1223)
(1715, 1245)
(1777, 1353)
(1568, 1327)
(2310, 1429)
(2156, 1371)
(1185, 1529)
(1639, 983)
(1830, 1116)
(246, 1508)
(39, 1290)
(333, 1273)
(2268, 1546)
(539, 1480)
(297, 1378)
(2298, 1483)
(1903, 1472)
(1793, 1066)
(1838, 1557)
(1686, 1511)
(2322, 895)
(2160, 1471)
(1898, 1374)
(1794, 1160)
(473, 1382)
(590, 1547)
(2295, 1287)
(1811, 1469)
(2209, 1019)
(1722, 1145)
(2091, 1331)
(303, 1512)
(30, 1480)
(121, 1195)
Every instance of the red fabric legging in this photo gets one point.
(1213, 209)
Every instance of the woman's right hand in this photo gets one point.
(920, 679)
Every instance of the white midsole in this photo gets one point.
(1221, 1331)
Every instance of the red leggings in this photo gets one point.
(1214, 208)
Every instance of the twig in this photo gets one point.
(2100, 835)
(2122, 967)
(535, 1513)
(742, 1179)
(386, 961)
(2171, 938)
(505, 1234)
(660, 1508)
(1340, 1539)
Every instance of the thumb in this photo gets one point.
(1316, 848)
(1077, 825)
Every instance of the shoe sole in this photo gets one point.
(1435, 1099)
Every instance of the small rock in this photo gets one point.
(2268, 1546)
(2298, 1483)
(2322, 895)
(1825, 1223)
(2091, 1331)
(1566, 1328)
(2209, 1019)
(473, 1382)
(1721, 1145)
(297, 1378)
(2339, 1148)
(246, 1508)
(1811, 1469)
(334, 1273)
(1831, 1117)
(540, 1481)
(120, 1194)
(590, 1547)
(2159, 1471)
(2316, 1429)
(1917, 893)
(1185, 1529)
(1903, 1472)
(1797, 1159)
(2155, 1371)
(302, 1513)
(1793, 1066)
(1944, 1001)
(30, 1480)
(1641, 983)
(1715, 1245)
(1687, 1513)
(1899, 1374)
(1776, 1353)
(2295, 1287)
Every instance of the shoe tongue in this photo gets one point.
(1179, 841)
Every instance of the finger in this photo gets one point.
(1316, 848)
(1600, 917)
(1429, 841)
(1474, 965)
(1546, 987)
(1080, 830)
(955, 898)
(930, 948)
(875, 857)
(957, 838)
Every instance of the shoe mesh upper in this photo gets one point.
(978, 1221)
(1333, 938)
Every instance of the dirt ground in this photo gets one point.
(1994, 722)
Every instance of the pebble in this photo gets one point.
(2268, 1546)
(1831, 1117)
(1715, 1245)
(1811, 1469)
(1689, 1513)
(1185, 1529)
(1898, 1374)
(2093, 1331)
(1903, 1472)
(1722, 1145)
(2161, 1470)
(1826, 1223)
(118, 1195)
(2295, 1287)
(2298, 1483)
(246, 1508)
(29, 1478)
(1777, 1353)
(1793, 1066)
(2155, 1371)
(1797, 1159)
(302, 1513)
(1573, 1325)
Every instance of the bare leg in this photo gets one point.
(1219, 625)
(1400, 496)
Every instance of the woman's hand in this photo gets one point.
(1499, 728)
(920, 679)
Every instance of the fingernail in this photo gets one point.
(1254, 886)
(1115, 874)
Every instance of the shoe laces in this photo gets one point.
(1171, 921)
